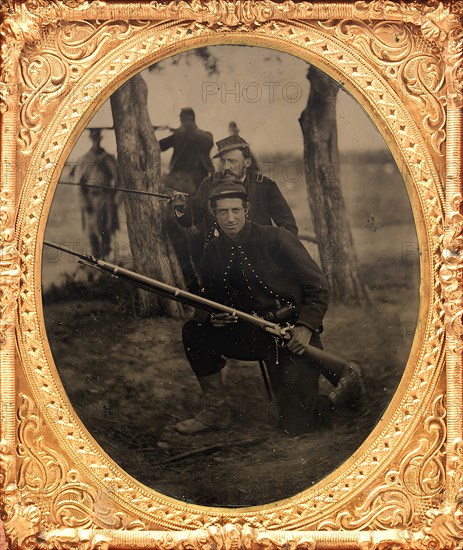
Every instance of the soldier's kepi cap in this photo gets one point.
(228, 190)
(229, 143)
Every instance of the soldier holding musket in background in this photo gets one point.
(98, 170)
(189, 165)
(266, 271)
(190, 162)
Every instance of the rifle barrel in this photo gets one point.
(162, 127)
(175, 293)
(114, 189)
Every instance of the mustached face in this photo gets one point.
(231, 216)
(234, 164)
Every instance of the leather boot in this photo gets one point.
(350, 389)
(215, 414)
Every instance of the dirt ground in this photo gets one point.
(129, 382)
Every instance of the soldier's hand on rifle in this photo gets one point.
(300, 340)
(222, 319)
(179, 201)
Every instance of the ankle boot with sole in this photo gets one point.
(215, 414)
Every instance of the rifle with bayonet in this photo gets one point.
(280, 331)
(174, 293)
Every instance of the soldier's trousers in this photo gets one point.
(294, 380)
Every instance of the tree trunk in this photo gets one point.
(139, 162)
(321, 162)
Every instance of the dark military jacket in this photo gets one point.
(266, 202)
(263, 269)
(191, 152)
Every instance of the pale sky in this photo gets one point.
(262, 90)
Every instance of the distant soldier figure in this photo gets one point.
(191, 161)
(189, 165)
(99, 207)
(233, 129)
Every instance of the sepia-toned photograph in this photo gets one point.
(230, 276)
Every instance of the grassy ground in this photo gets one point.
(130, 382)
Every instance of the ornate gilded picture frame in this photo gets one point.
(402, 62)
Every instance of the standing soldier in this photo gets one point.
(100, 216)
(233, 129)
(191, 161)
(189, 165)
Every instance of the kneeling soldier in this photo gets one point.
(262, 269)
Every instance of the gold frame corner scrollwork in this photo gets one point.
(403, 61)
